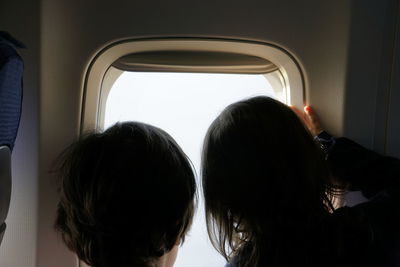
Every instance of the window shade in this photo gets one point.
(194, 61)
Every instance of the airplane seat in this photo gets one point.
(11, 70)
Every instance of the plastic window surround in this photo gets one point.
(99, 77)
(95, 80)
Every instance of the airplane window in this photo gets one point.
(184, 105)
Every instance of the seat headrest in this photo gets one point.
(11, 71)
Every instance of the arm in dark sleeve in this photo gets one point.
(370, 228)
(361, 168)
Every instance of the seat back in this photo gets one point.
(11, 70)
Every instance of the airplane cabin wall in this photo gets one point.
(73, 32)
(330, 42)
(393, 119)
(370, 98)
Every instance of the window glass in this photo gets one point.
(184, 105)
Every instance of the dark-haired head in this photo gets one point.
(265, 181)
(127, 196)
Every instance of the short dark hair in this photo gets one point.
(127, 195)
(263, 176)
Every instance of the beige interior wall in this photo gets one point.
(73, 32)
(340, 45)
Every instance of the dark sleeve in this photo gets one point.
(361, 168)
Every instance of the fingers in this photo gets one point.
(315, 125)
(310, 114)
(302, 116)
(298, 112)
(310, 119)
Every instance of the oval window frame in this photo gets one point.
(92, 85)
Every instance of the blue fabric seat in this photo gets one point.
(11, 71)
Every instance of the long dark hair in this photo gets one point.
(265, 182)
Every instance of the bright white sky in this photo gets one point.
(184, 105)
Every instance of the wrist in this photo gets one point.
(325, 140)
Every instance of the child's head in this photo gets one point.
(263, 174)
(127, 196)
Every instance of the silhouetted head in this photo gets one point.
(265, 181)
(127, 196)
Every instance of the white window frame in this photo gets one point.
(93, 98)
(97, 76)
